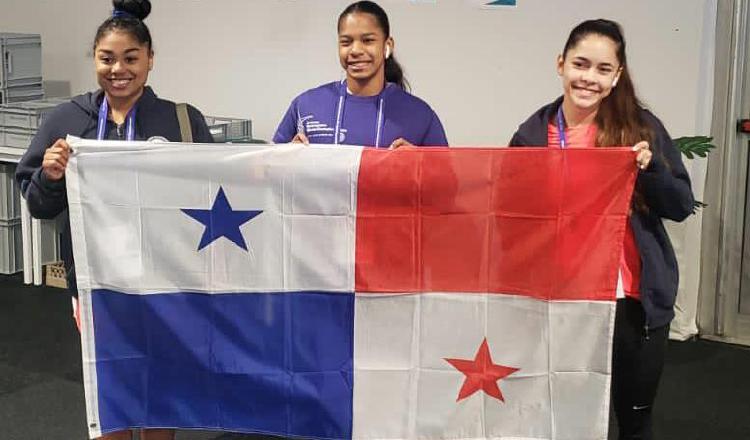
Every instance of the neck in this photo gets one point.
(369, 87)
(575, 116)
(120, 107)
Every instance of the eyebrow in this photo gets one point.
(132, 49)
(369, 34)
(580, 58)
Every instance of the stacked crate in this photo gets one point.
(19, 122)
(20, 80)
(11, 240)
(11, 252)
(230, 129)
(20, 68)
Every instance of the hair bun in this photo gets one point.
(136, 8)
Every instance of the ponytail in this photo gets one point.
(395, 74)
(619, 117)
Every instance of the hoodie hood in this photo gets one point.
(89, 102)
(388, 90)
(87, 115)
(533, 131)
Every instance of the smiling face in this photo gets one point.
(122, 65)
(362, 47)
(588, 71)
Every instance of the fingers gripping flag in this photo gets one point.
(340, 292)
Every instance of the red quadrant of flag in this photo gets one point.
(524, 221)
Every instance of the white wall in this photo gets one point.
(483, 71)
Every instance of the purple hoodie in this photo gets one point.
(370, 121)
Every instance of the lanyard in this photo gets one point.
(561, 128)
(101, 128)
(340, 114)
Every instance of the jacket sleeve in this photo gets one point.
(435, 135)
(45, 198)
(288, 126)
(665, 184)
(516, 140)
(201, 133)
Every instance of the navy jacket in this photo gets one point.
(665, 187)
(47, 199)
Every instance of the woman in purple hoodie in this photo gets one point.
(370, 106)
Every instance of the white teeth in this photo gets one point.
(585, 92)
(120, 82)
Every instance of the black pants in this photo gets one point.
(637, 363)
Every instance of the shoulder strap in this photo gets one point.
(186, 131)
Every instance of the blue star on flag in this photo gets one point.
(222, 221)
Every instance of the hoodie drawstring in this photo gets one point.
(379, 122)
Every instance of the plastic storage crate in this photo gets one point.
(28, 115)
(10, 197)
(50, 241)
(11, 95)
(11, 251)
(229, 129)
(247, 140)
(21, 63)
(13, 137)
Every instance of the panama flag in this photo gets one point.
(342, 292)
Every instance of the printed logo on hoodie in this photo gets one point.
(316, 129)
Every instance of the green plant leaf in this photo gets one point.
(692, 146)
(698, 205)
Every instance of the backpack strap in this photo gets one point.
(186, 131)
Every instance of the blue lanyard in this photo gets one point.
(379, 122)
(561, 128)
(101, 128)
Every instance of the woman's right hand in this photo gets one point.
(56, 160)
(643, 158)
(300, 138)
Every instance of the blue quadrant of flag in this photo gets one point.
(277, 362)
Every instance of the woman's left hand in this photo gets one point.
(400, 142)
(643, 158)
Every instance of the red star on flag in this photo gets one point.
(481, 374)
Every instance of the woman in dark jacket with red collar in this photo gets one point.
(599, 108)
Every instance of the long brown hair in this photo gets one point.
(619, 119)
